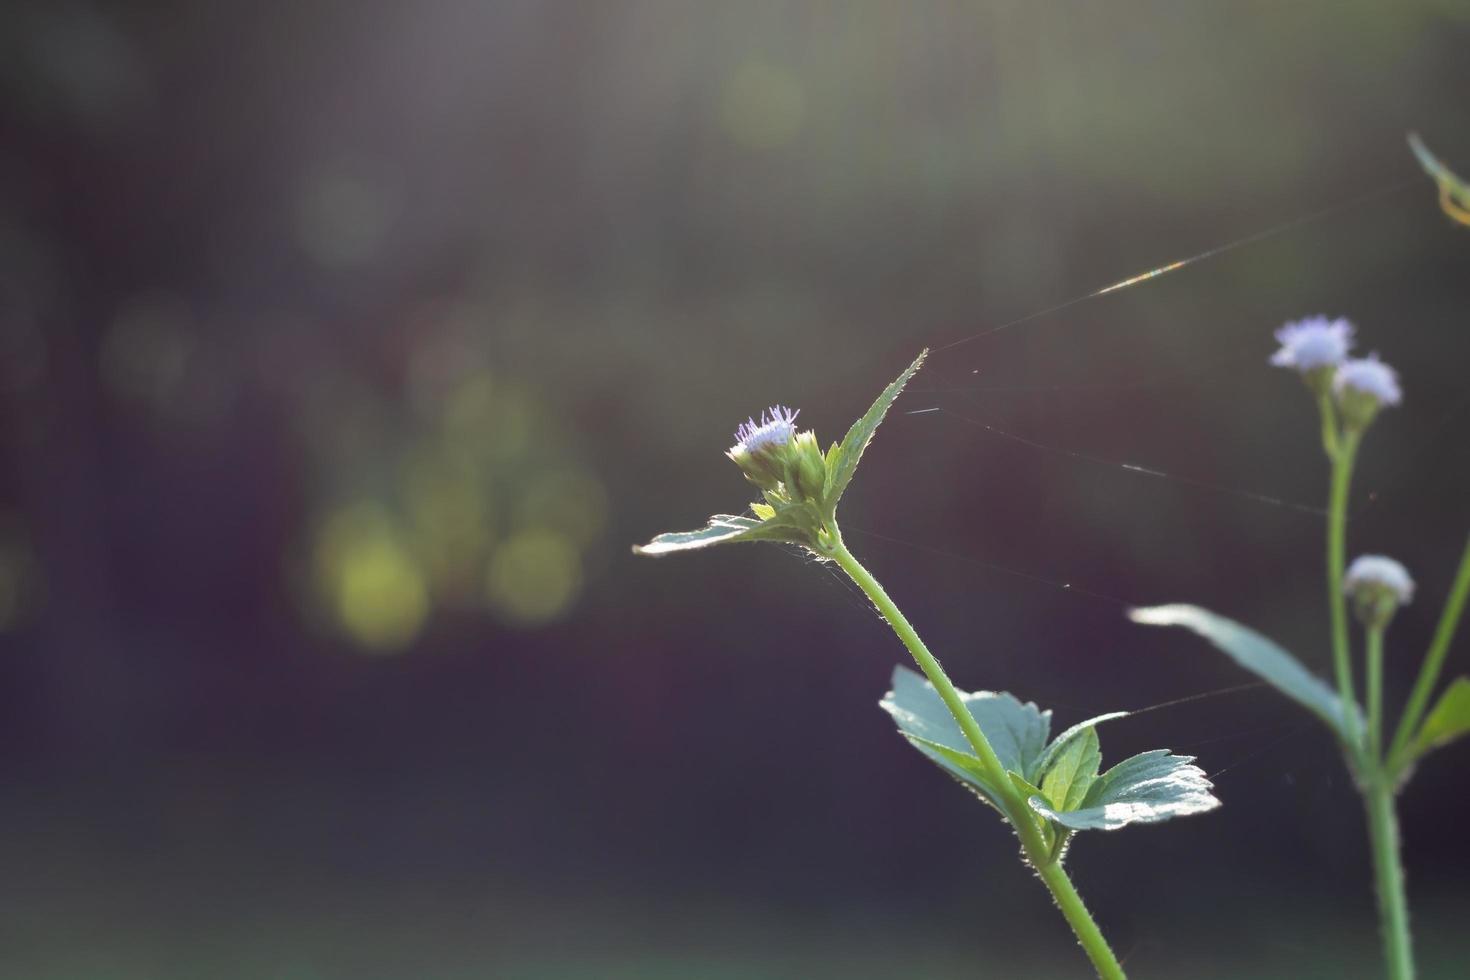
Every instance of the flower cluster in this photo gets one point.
(779, 459)
(1317, 348)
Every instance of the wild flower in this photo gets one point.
(759, 445)
(1362, 387)
(1378, 586)
(775, 428)
(1048, 789)
(1313, 343)
(1378, 573)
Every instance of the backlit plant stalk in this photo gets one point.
(1046, 790)
(1350, 393)
(1046, 861)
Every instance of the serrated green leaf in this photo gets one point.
(1149, 787)
(1017, 732)
(1072, 771)
(1023, 785)
(722, 529)
(843, 459)
(1146, 788)
(1448, 720)
(1258, 655)
(1063, 740)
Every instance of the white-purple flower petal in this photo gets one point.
(1313, 342)
(1369, 376)
(1378, 572)
(775, 428)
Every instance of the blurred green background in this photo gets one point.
(346, 347)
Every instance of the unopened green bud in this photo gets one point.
(762, 469)
(807, 467)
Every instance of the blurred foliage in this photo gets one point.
(472, 498)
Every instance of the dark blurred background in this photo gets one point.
(346, 347)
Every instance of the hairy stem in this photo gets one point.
(1048, 868)
(1393, 907)
(1449, 619)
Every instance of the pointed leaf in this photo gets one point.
(1072, 772)
(722, 529)
(842, 460)
(1454, 193)
(1258, 655)
(1023, 785)
(1448, 720)
(1063, 740)
(1146, 788)
(1017, 732)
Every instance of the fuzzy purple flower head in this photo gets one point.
(1371, 377)
(1378, 585)
(776, 427)
(1313, 343)
(1378, 572)
(760, 448)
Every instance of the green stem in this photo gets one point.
(1375, 692)
(1329, 422)
(1449, 619)
(1064, 893)
(1017, 811)
(1342, 472)
(1393, 908)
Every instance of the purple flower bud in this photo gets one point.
(1312, 343)
(1378, 586)
(1378, 572)
(1369, 376)
(760, 447)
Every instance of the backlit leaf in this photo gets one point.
(1454, 193)
(1258, 655)
(1017, 732)
(1448, 720)
(722, 529)
(842, 459)
(1146, 788)
(1063, 740)
(1060, 780)
(1072, 772)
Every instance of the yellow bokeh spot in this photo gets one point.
(763, 106)
(449, 515)
(534, 577)
(376, 587)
